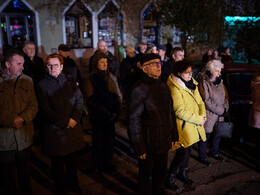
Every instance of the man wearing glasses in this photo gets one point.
(151, 125)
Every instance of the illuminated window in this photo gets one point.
(110, 25)
(78, 21)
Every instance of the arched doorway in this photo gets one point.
(17, 24)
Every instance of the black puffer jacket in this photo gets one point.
(60, 99)
(151, 119)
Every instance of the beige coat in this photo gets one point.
(214, 98)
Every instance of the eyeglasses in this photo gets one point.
(54, 66)
(153, 64)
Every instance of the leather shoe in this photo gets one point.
(216, 157)
(204, 161)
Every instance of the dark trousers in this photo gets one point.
(64, 169)
(103, 145)
(214, 148)
(152, 172)
(181, 160)
(15, 165)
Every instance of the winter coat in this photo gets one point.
(151, 119)
(103, 98)
(190, 111)
(34, 68)
(17, 97)
(60, 99)
(214, 98)
(70, 67)
(254, 114)
(128, 74)
(167, 69)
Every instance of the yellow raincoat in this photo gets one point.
(189, 110)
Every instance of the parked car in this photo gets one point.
(237, 79)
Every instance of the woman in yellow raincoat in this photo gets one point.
(190, 118)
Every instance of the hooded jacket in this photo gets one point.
(190, 111)
(17, 97)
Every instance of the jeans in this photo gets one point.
(214, 146)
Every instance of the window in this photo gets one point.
(110, 25)
(78, 21)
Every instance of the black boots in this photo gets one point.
(170, 182)
(183, 177)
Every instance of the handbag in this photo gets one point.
(224, 128)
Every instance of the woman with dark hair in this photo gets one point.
(212, 92)
(61, 102)
(190, 118)
(103, 100)
(225, 55)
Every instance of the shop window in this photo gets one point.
(110, 25)
(17, 24)
(150, 24)
(78, 21)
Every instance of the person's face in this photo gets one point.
(161, 53)
(210, 52)
(102, 64)
(216, 72)
(215, 53)
(29, 50)
(179, 56)
(152, 68)
(187, 74)
(54, 67)
(15, 67)
(102, 46)
(154, 50)
(142, 48)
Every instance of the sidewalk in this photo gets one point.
(228, 177)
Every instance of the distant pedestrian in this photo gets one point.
(18, 107)
(151, 125)
(226, 56)
(61, 103)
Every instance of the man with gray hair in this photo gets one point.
(18, 107)
(33, 65)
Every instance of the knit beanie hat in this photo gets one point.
(148, 57)
(96, 57)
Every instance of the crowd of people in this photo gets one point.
(167, 109)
